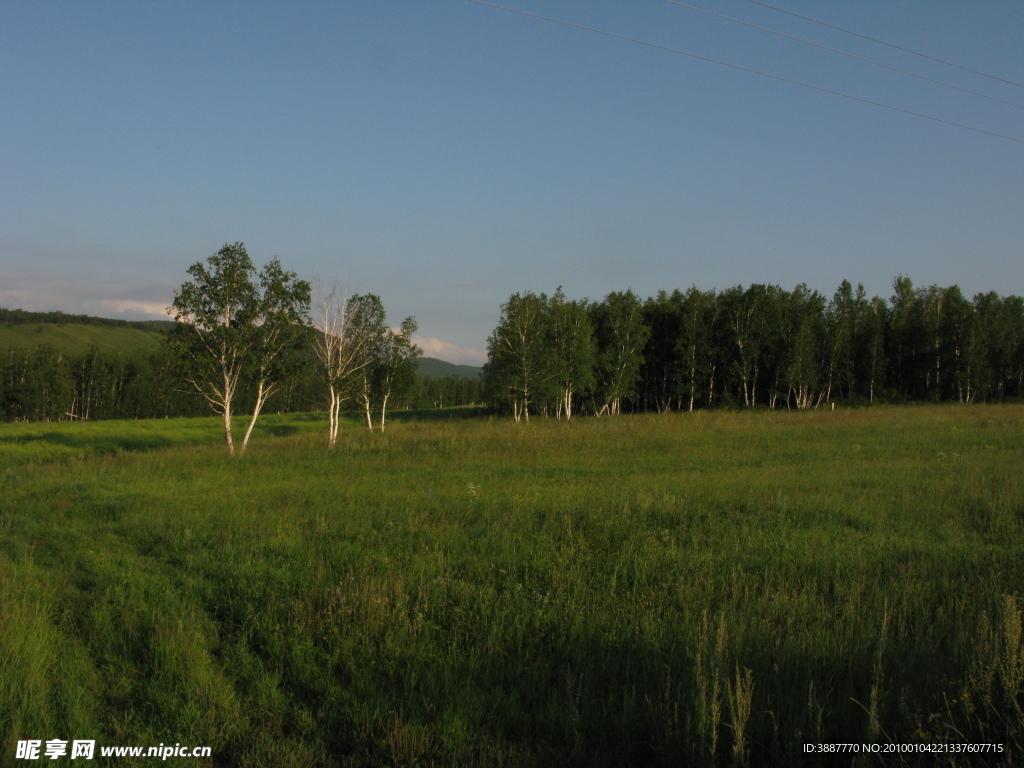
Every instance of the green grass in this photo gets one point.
(35, 443)
(76, 337)
(702, 589)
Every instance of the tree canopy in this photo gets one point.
(232, 322)
(754, 346)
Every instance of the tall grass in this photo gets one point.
(706, 589)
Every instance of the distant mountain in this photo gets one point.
(438, 369)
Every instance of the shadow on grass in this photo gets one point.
(33, 443)
(281, 430)
(94, 443)
(30, 443)
(441, 414)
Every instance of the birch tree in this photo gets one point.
(621, 335)
(368, 330)
(228, 325)
(662, 368)
(807, 309)
(931, 303)
(841, 320)
(905, 336)
(338, 344)
(517, 367)
(1001, 326)
(395, 369)
(698, 316)
(965, 345)
(212, 338)
(740, 313)
(572, 350)
(280, 333)
(755, 323)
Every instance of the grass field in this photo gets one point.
(683, 589)
(76, 337)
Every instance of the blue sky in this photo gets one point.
(445, 154)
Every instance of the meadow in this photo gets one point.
(76, 337)
(715, 588)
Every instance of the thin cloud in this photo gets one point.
(14, 298)
(450, 353)
(122, 306)
(85, 295)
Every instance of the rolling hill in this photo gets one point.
(73, 333)
(72, 337)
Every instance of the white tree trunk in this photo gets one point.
(332, 415)
(228, 396)
(262, 393)
(227, 428)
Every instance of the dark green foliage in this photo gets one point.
(387, 361)
(45, 384)
(21, 317)
(573, 351)
(665, 352)
(394, 370)
(700, 326)
(801, 360)
(444, 392)
(232, 325)
(620, 335)
(518, 374)
(759, 346)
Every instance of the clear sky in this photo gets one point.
(444, 154)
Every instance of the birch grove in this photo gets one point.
(755, 347)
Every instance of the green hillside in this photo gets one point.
(74, 337)
(75, 333)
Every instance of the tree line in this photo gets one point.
(43, 383)
(243, 337)
(21, 317)
(240, 339)
(47, 384)
(755, 346)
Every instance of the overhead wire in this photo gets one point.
(844, 53)
(889, 45)
(741, 68)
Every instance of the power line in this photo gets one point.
(844, 53)
(747, 69)
(890, 45)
